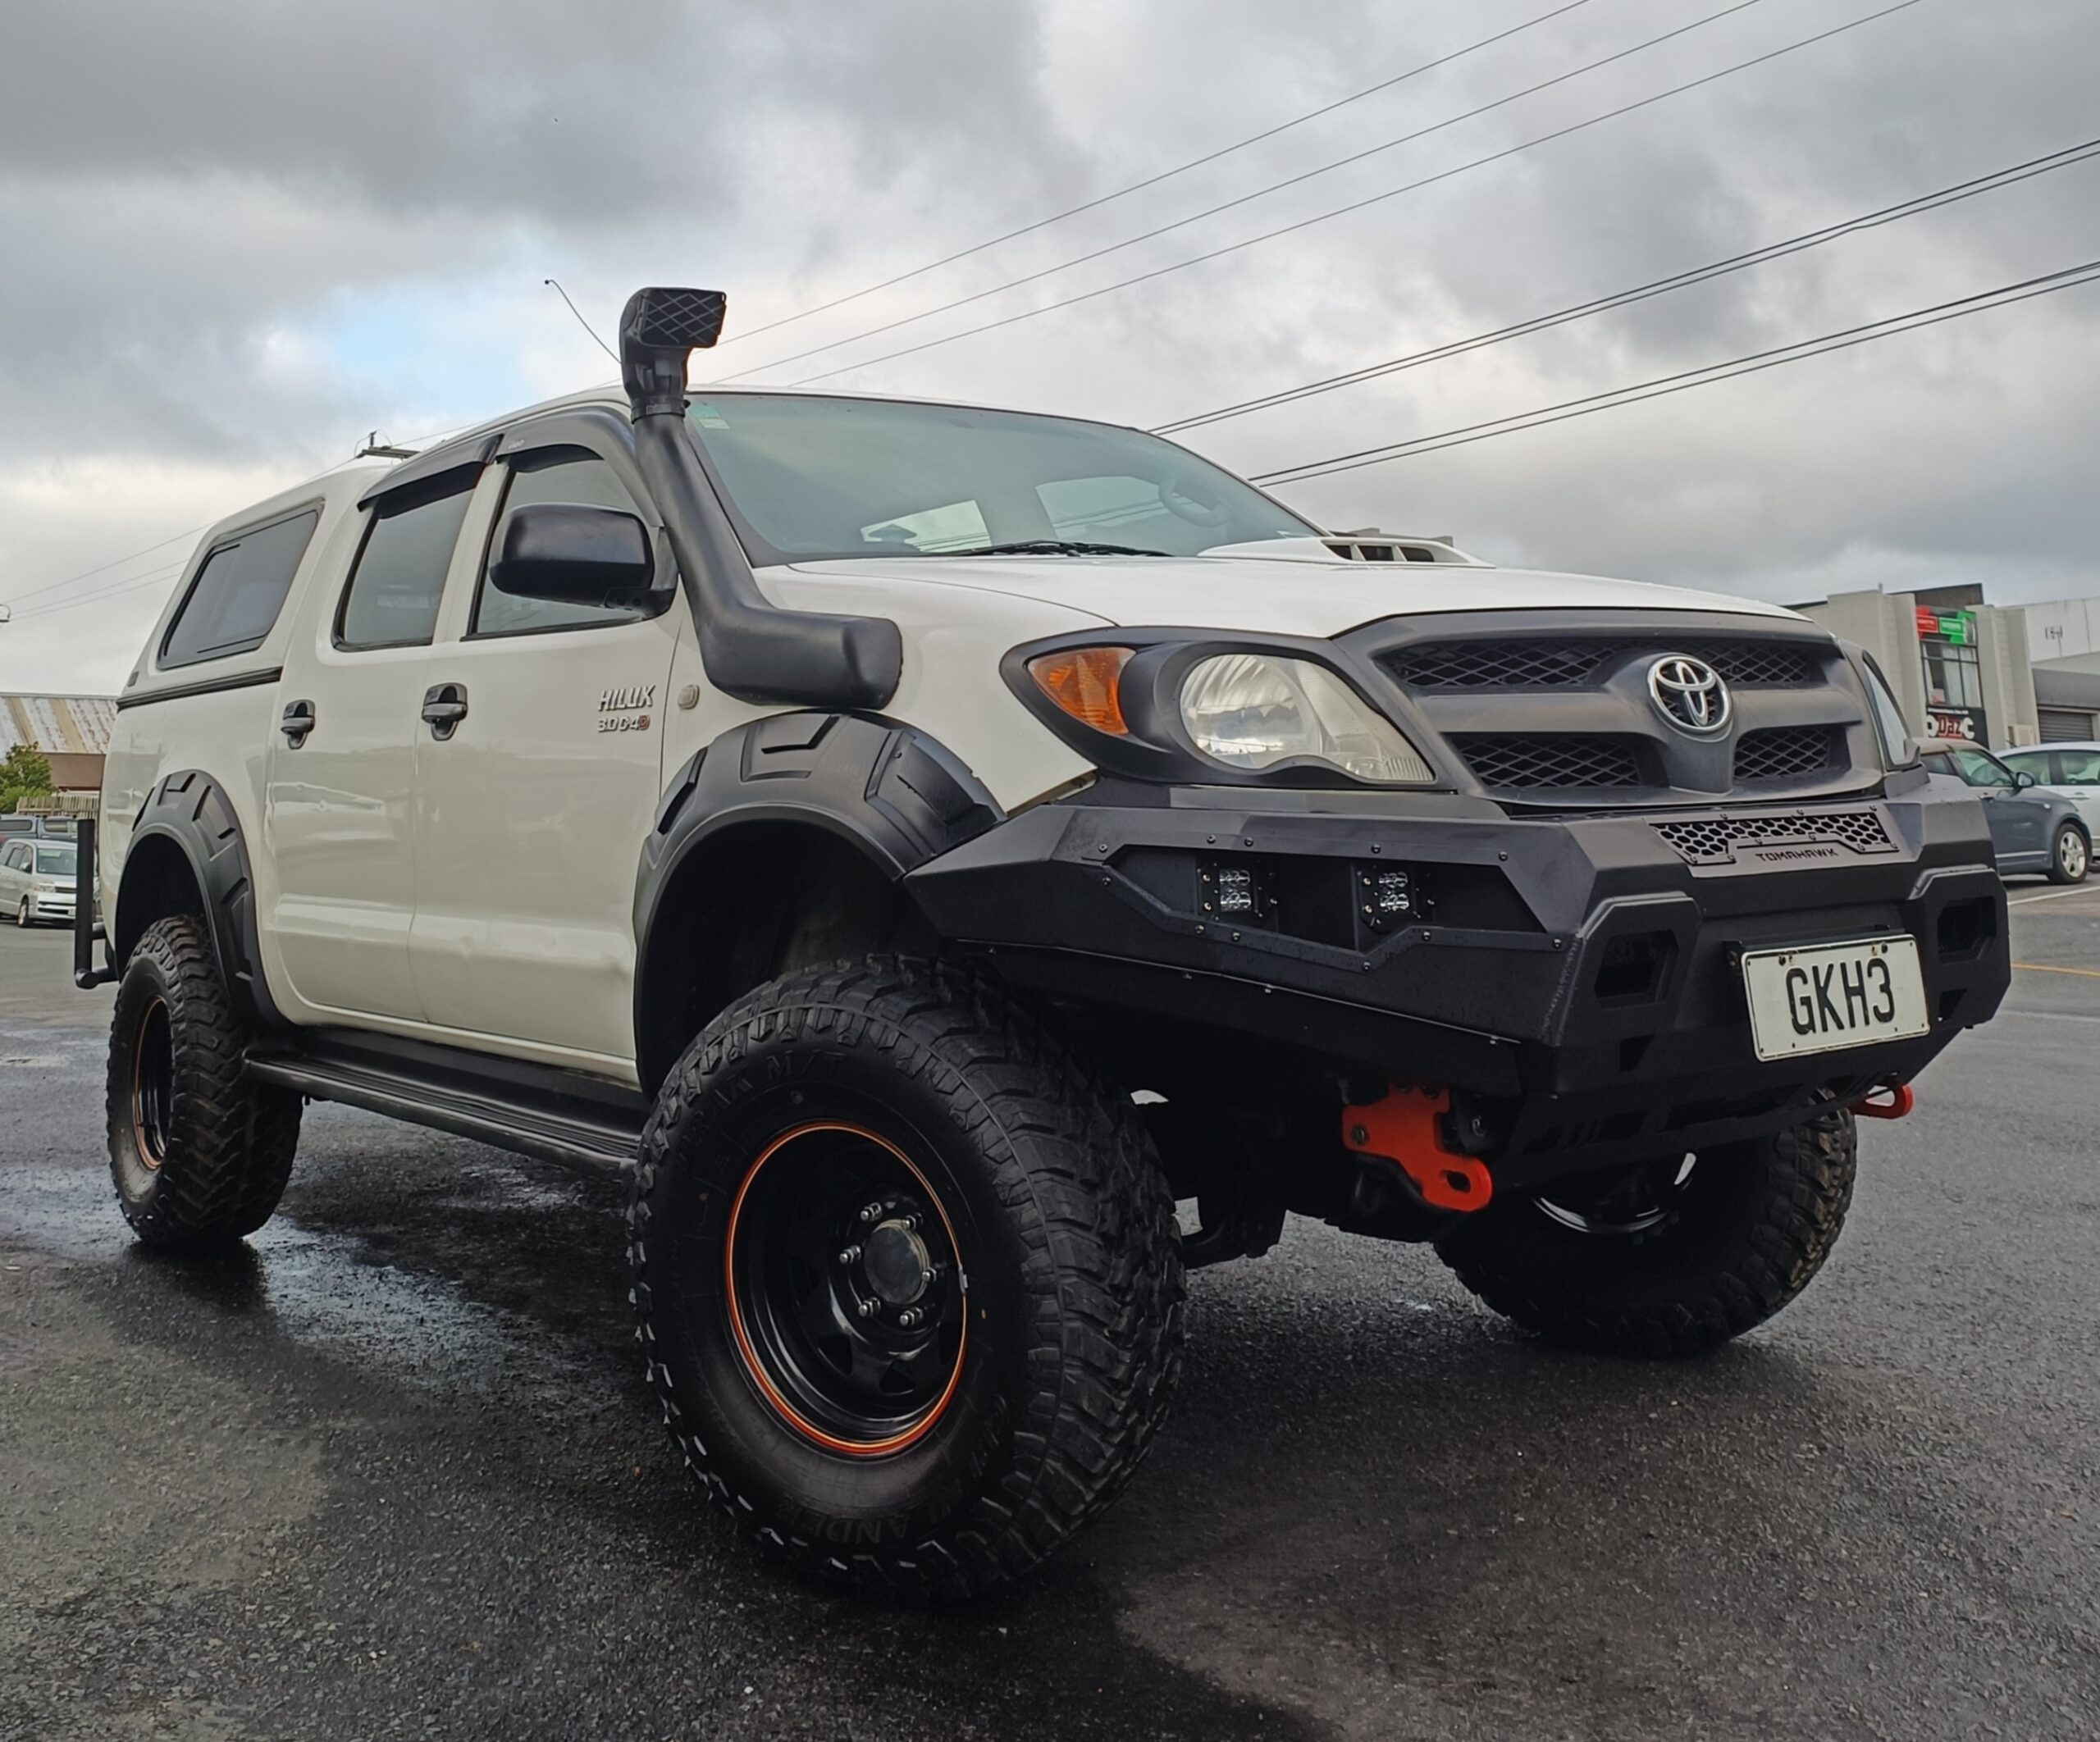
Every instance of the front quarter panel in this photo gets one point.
(954, 639)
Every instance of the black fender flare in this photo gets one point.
(897, 794)
(191, 809)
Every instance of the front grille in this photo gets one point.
(1783, 753)
(1526, 762)
(1539, 664)
(1713, 841)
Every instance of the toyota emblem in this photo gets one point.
(1690, 695)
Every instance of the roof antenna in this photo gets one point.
(375, 448)
(580, 320)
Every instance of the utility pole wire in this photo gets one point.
(1948, 196)
(1756, 361)
(1154, 181)
(113, 563)
(1261, 192)
(416, 442)
(1359, 205)
(581, 321)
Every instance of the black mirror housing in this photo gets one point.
(2023, 778)
(572, 552)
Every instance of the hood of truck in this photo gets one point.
(1257, 595)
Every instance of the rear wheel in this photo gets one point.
(906, 1276)
(1668, 1257)
(2071, 857)
(199, 1155)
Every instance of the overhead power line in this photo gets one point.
(97, 596)
(2004, 296)
(93, 594)
(113, 563)
(1923, 203)
(1261, 192)
(1359, 205)
(1154, 181)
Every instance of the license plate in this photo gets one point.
(1829, 996)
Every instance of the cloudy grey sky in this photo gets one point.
(240, 234)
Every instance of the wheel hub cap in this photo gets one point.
(898, 1264)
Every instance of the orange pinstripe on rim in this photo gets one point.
(753, 1365)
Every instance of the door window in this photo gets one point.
(394, 590)
(1980, 770)
(234, 602)
(15, 859)
(553, 475)
(2076, 767)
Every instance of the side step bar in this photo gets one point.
(555, 1116)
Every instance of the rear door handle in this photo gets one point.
(296, 722)
(444, 705)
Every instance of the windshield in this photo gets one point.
(811, 476)
(56, 861)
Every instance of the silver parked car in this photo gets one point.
(2072, 769)
(37, 880)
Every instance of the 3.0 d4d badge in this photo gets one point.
(620, 708)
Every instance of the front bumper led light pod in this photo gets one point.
(1251, 711)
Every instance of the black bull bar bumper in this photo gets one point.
(1582, 974)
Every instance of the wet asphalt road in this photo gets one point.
(391, 1472)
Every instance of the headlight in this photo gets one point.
(1251, 711)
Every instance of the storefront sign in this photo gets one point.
(1957, 626)
(1965, 724)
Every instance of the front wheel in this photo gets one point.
(1670, 1257)
(2072, 855)
(906, 1275)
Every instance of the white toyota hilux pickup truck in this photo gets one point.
(968, 867)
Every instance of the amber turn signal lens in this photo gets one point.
(1083, 682)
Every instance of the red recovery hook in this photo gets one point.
(1900, 1100)
(1404, 1126)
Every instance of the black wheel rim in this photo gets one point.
(847, 1292)
(1637, 1202)
(152, 1084)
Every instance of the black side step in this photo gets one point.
(557, 1116)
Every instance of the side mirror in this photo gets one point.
(572, 552)
(2023, 778)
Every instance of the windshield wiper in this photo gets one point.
(1049, 547)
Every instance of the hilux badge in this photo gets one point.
(1690, 695)
(619, 708)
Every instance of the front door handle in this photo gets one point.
(296, 722)
(444, 705)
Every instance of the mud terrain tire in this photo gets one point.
(919, 1108)
(199, 1155)
(1708, 1259)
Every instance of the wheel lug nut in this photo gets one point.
(909, 1318)
(847, 1254)
(872, 1213)
(867, 1309)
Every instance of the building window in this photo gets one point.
(1954, 675)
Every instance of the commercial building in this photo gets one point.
(2063, 644)
(72, 732)
(1961, 668)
